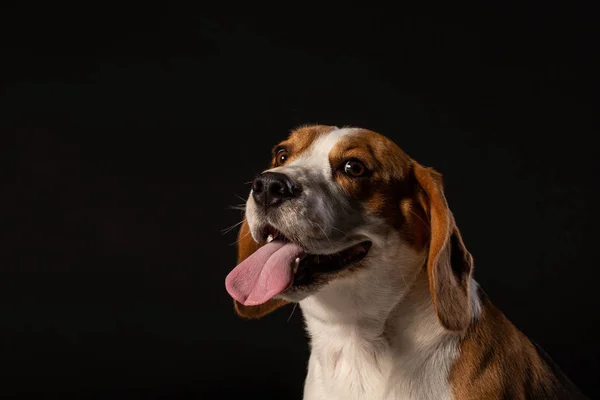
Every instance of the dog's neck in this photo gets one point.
(368, 338)
(384, 312)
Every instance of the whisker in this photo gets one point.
(420, 219)
(339, 230)
(322, 230)
(227, 230)
(292, 313)
(237, 241)
(402, 276)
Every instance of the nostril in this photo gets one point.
(257, 186)
(276, 188)
(295, 190)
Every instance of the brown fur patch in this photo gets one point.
(385, 191)
(449, 264)
(416, 229)
(498, 362)
(388, 191)
(299, 141)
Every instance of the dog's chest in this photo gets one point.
(350, 368)
(345, 368)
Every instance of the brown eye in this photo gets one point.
(354, 168)
(281, 157)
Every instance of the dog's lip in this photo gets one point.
(270, 233)
(320, 262)
(325, 264)
(359, 248)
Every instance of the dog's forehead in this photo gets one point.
(316, 154)
(313, 149)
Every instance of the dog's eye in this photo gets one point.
(281, 157)
(354, 168)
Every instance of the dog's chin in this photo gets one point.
(319, 264)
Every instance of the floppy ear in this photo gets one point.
(246, 246)
(449, 263)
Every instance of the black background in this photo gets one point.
(131, 130)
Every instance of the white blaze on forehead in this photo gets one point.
(316, 157)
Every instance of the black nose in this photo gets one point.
(273, 188)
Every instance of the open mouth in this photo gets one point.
(281, 265)
(306, 266)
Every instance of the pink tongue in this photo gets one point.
(263, 275)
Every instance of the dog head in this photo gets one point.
(346, 215)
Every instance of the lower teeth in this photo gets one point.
(296, 264)
(270, 239)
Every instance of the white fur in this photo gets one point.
(317, 156)
(357, 353)
(404, 355)
(374, 334)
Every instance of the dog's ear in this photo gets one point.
(245, 247)
(449, 264)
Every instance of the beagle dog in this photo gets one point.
(360, 235)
